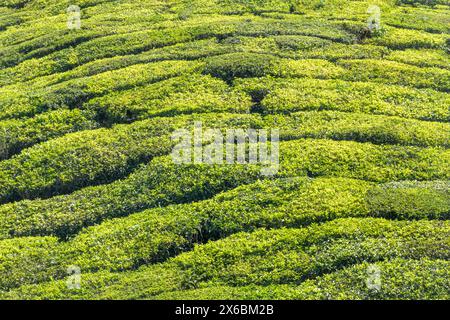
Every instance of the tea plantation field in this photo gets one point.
(89, 194)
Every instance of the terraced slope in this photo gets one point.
(87, 180)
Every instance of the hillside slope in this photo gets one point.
(359, 207)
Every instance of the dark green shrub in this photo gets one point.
(240, 65)
(286, 256)
(19, 134)
(401, 279)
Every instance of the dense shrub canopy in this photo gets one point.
(87, 180)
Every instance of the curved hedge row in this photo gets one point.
(298, 158)
(92, 47)
(390, 72)
(16, 135)
(97, 156)
(377, 129)
(73, 93)
(400, 279)
(175, 32)
(286, 96)
(157, 184)
(422, 58)
(299, 46)
(433, 19)
(157, 234)
(176, 96)
(34, 71)
(180, 95)
(315, 157)
(80, 159)
(403, 38)
(264, 258)
(249, 65)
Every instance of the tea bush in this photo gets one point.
(86, 178)
(264, 258)
(286, 96)
(74, 93)
(306, 157)
(397, 73)
(179, 95)
(401, 279)
(359, 127)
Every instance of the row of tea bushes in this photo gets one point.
(293, 255)
(315, 48)
(80, 159)
(168, 33)
(249, 65)
(159, 183)
(59, 155)
(218, 27)
(157, 234)
(29, 260)
(180, 95)
(314, 157)
(96, 46)
(264, 258)
(36, 70)
(360, 127)
(49, 33)
(89, 157)
(23, 176)
(67, 214)
(98, 156)
(400, 39)
(74, 92)
(391, 72)
(286, 96)
(422, 58)
(304, 47)
(17, 134)
(433, 20)
(69, 57)
(408, 279)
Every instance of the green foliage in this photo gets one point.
(433, 20)
(28, 260)
(298, 158)
(397, 73)
(362, 161)
(285, 256)
(157, 234)
(400, 39)
(286, 96)
(363, 121)
(408, 200)
(157, 184)
(77, 160)
(401, 279)
(179, 95)
(16, 135)
(73, 93)
(422, 58)
(244, 65)
(358, 127)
